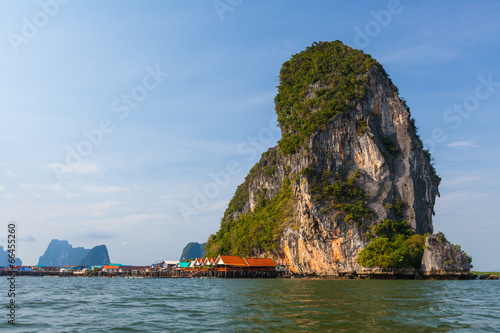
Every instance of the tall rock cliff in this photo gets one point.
(349, 158)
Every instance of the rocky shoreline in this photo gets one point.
(389, 274)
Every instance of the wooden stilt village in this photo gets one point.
(220, 267)
(229, 267)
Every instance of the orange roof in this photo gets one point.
(233, 261)
(257, 262)
(210, 261)
(110, 267)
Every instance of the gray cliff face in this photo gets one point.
(443, 258)
(379, 139)
(324, 244)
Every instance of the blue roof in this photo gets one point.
(184, 264)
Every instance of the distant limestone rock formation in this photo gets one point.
(4, 258)
(61, 253)
(193, 250)
(441, 258)
(97, 256)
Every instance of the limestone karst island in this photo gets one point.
(349, 190)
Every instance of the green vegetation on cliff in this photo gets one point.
(326, 79)
(267, 165)
(394, 245)
(258, 230)
(345, 196)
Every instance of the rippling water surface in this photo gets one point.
(242, 305)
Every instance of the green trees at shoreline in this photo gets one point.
(393, 245)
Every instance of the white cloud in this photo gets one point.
(97, 188)
(105, 204)
(9, 196)
(91, 233)
(217, 206)
(461, 180)
(6, 194)
(37, 186)
(82, 168)
(143, 217)
(420, 54)
(103, 208)
(462, 145)
(457, 198)
(27, 238)
(49, 215)
(38, 195)
(9, 173)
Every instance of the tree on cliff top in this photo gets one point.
(326, 79)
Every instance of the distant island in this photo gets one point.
(193, 250)
(349, 187)
(60, 253)
(98, 255)
(4, 258)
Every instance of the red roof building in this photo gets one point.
(237, 263)
(258, 262)
(231, 261)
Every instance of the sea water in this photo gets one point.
(251, 305)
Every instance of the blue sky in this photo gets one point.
(177, 99)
